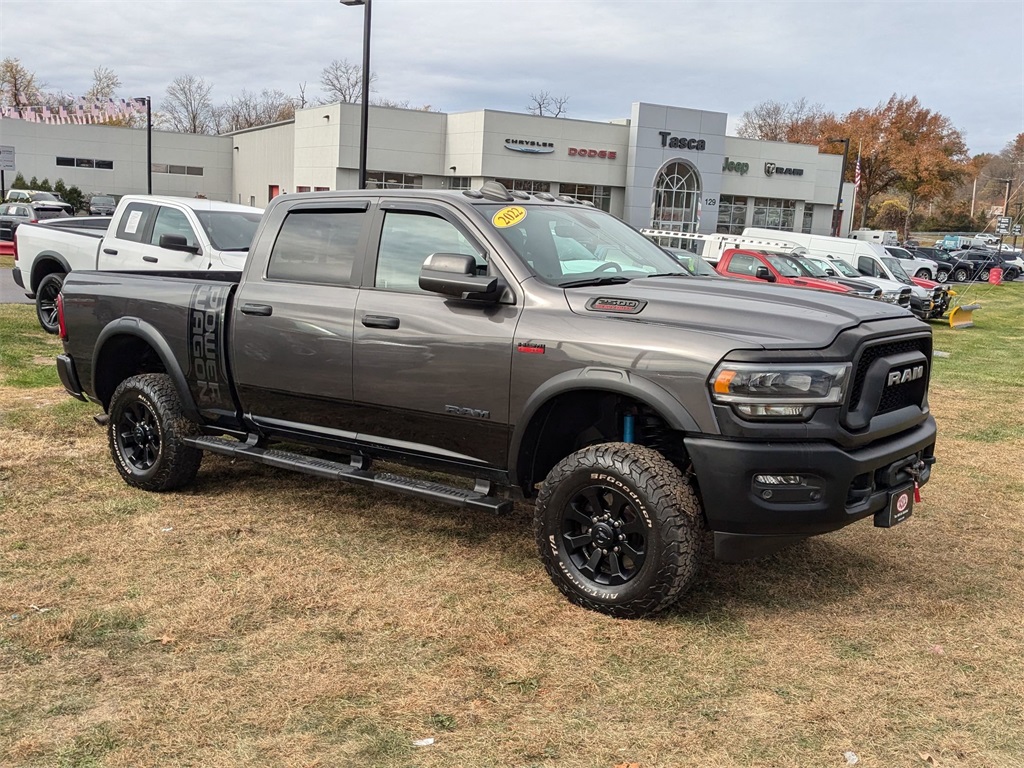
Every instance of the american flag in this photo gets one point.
(856, 175)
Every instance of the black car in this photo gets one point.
(14, 214)
(102, 205)
(944, 265)
(978, 263)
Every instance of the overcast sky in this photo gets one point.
(964, 59)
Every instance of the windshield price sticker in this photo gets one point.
(508, 216)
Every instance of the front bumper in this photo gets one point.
(839, 486)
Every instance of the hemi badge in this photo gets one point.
(531, 349)
(619, 306)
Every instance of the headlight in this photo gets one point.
(893, 297)
(788, 390)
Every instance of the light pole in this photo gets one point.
(149, 142)
(365, 113)
(837, 218)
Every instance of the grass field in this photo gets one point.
(263, 618)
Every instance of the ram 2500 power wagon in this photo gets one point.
(536, 345)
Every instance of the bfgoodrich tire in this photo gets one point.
(46, 301)
(146, 433)
(619, 529)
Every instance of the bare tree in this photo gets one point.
(546, 105)
(18, 86)
(104, 84)
(188, 108)
(343, 82)
(248, 110)
(784, 121)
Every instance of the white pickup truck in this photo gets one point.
(147, 233)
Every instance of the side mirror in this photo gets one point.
(454, 274)
(831, 272)
(177, 243)
(763, 273)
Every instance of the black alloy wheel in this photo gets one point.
(138, 435)
(46, 301)
(604, 536)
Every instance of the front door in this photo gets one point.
(431, 373)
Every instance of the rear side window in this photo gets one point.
(317, 246)
(135, 221)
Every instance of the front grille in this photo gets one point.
(896, 396)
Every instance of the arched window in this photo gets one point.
(676, 198)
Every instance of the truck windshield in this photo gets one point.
(567, 245)
(229, 230)
(786, 266)
(897, 269)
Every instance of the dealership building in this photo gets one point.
(664, 167)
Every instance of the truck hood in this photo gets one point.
(753, 313)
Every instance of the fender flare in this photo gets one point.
(45, 256)
(133, 326)
(613, 380)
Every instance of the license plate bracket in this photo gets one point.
(899, 507)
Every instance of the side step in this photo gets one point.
(334, 470)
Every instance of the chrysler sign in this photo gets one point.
(530, 146)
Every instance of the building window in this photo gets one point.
(302, 189)
(192, 170)
(85, 162)
(732, 214)
(459, 182)
(70, 161)
(525, 185)
(599, 195)
(393, 180)
(808, 219)
(676, 198)
(772, 213)
(105, 165)
(321, 189)
(181, 170)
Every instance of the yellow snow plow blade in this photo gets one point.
(963, 316)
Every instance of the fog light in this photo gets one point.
(770, 410)
(779, 479)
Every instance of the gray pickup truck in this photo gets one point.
(537, 346)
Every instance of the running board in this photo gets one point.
(349, 473)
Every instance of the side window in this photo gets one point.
(171, 221)
(316, 246)
(407, 239)
(866, 267)
(134, 222)
(741, 265)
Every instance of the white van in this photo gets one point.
(880, 236)
(711, 247)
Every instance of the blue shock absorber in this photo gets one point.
(627, 428)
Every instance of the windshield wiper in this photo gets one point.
(595, 281)
(671, 274)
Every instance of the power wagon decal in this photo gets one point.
(207, 379)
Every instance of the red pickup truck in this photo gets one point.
(773, 267)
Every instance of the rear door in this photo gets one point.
(291, 337)
(431, 373)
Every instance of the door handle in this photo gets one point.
(380, 321)
(111, 251)
(150, 259)
(261, 310)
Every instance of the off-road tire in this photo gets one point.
(961, 275)
(46, 301)
(146, 433)
(653, 504)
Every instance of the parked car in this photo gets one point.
(39, 200)
(102, 205)
(834, 267)
(691, 262)
(914, 265)
(14, 214)
(638, 407)
(147, 233)
(856, 284)
(779, 268)
(978, 263)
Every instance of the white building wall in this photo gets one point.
(38, 145)
(263, 157)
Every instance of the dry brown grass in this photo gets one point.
(265, 618)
